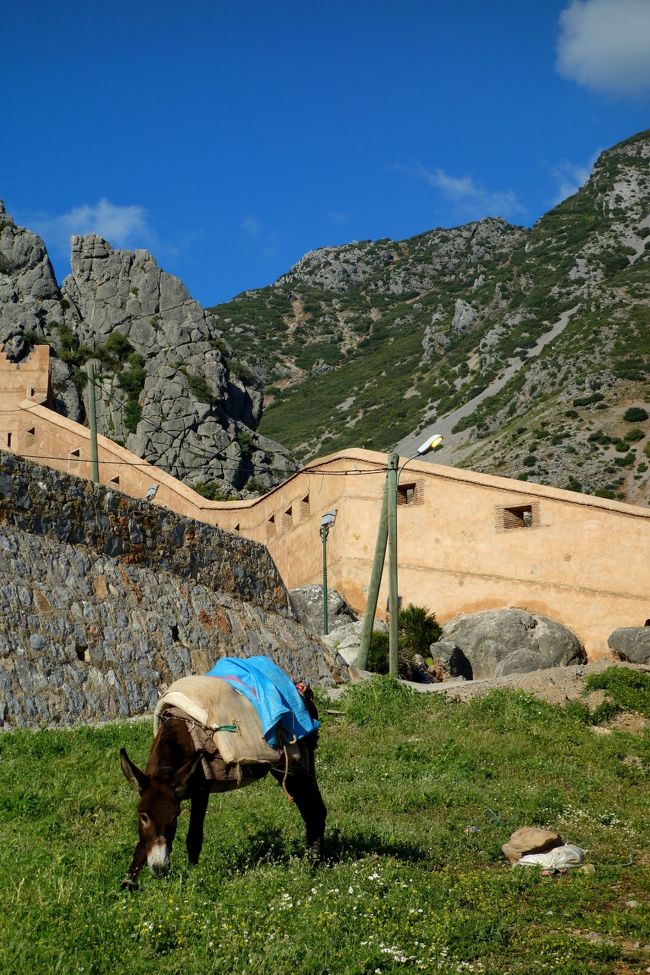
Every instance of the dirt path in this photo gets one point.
(453, 448)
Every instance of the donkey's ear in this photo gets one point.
(184, 775)
(136, 779)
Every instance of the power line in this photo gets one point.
(147, 463)
(192, 447)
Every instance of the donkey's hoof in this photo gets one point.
(129, 884)
(315, 854)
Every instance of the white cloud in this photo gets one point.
(252, 226)
(470, 198)
(569, 177)
(266, 240)
(605, 45)
(121, 226)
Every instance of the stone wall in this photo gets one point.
(105, 600)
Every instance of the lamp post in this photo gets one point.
(326, 522)
(387, 530)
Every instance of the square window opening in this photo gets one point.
(520, 516)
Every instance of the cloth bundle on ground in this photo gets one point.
(559, 858)
(228, 728)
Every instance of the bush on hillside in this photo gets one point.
(635, 414)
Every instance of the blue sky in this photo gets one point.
(231, 138)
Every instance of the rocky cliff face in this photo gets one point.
(524, 346)
(167, 386)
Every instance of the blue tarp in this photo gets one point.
(272, 693)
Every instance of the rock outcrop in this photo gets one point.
(167, 386)
(631, 643)
(29, 294)
(307, 605)
(496, 643)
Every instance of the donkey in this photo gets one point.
(174, 772)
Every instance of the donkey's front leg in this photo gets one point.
(304, 791)
(194, 842)
(130, 882)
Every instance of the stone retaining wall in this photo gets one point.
(105, 600)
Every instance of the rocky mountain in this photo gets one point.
(527, 347)
(167, 386)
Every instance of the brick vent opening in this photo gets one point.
(411, 493)
(518, 516)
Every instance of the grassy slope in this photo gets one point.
(403, 776)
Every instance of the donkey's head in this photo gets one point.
(159, 806)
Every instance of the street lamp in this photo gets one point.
(386, 530)
(326, 522)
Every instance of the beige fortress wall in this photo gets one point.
(582, 561)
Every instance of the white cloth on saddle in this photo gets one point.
(212, 703)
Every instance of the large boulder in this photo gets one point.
(346, 638)
(631, 643)
(511, 641)
(307, 604)
(450, 660)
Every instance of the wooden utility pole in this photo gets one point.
(393, 597)
(375, 583)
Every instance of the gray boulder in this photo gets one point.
(509, 641)
(307, 605)
(346, 639)
(450, 659)
(631, 643)
(521, 662)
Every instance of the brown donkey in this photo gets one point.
(174, 772)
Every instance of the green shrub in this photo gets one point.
(418, 629)
(117, 346)
(588, 400)
(200, 388)
(245, 441)
(634, 434)
(626, 688)
(378, 652)
(211, 490)
(256, 486)
(132, 379)
(132, 415)
(635, 414)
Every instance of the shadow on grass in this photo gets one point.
(341, 846)
(268, 844)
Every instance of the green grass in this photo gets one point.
(405, 887)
